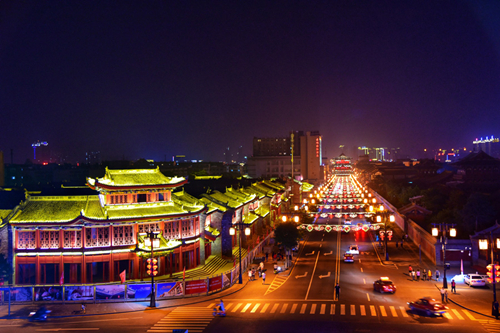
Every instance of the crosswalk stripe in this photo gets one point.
(283, 309)
(403, 311)
(237, 307)
(294, 307)
(382, 311)
(323, 308)
(447, 315)
(303, 309)
(342, 309)
(246, 307)
(313, 309)
(353, 310)
(362, 310)
(332, 309)
(455, 311)
(393, 311)
(228, 306)
(273, 310)
(467, 313)
(255, 308)
(373, 311)
(265, 307)
(211, 305)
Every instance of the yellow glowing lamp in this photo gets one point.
(435, 232)
(310, 195)
(498, 243)
(232, 231)
(313, 201)
(305, 201)
(374, 200)
(296, 207)
(156, 242)
(365, 201)
(381, 208)
(283, 218)
(306, 208)
(453, 232)
(379, 218)
(483, 244)
(370, 208)
(247, 231)
(392, 218)
(296, 219)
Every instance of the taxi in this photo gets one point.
(384, 285)
(429, 306)
(348, 257)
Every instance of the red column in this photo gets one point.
(181, 263)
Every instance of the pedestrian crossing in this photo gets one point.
(491, 325)
(336, 309)
(278, 281)
(193, 319)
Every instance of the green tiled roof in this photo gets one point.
(57, 209)
(212, 230)
(254, 191)
(135, 177)
(187, 201)
(146, 210)
(275, 185)
(239, 195)
(270, 191)
(4, 213)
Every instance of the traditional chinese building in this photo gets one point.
(342, 165)
(93, 238)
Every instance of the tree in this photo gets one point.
(478, 211)
(5, 269)
(287, 235)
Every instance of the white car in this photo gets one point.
(474, 280)
(353, 249)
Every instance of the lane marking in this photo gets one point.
(320, 245)
(364, 281)
(237, 307)
(312, 275)
(323, 309)
(403, 311)
(294, 307)
(246, 307)
(265, 307)
(368, 296)
(273, 310)
(382, 311)
(211, 306)
(353, 310)
(324, 276)
(361, 269)
(301, 276)
(455, 311)
(66, 329)
(393, 311)
(327, 254)
(310, 254)
(255, 308)
(362, 310)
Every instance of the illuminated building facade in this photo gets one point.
(93, 238)
(342, 166)
(490, 146)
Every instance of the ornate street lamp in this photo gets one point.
(443, 228)
(152, 240)
(385, 216)
(232, 231)
(483, 245)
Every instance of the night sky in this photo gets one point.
(149, 79)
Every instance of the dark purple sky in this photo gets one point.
(149, 79)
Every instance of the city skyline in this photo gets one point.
(154, 80)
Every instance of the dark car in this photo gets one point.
(348, 257)
(384, 285)
(429, 306)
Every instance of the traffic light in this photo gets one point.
(152, 266)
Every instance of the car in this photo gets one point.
(353, 249)
(384, 285)
(429, 306)
(474, 280)
(348, 257)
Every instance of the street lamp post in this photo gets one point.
(232, 231)
(153, 241)
(443, 228)
(385, 215)
(483, 245)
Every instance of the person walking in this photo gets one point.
(413, 275)
(249, 275)
(453, 286)
(418, 274)
(337, 292)
(267, 256)
(429, 275)
(264, 278)
(402, 241)
(442, 295)
(424, 276)
(437, 275)
(446, 295)
(409, 270)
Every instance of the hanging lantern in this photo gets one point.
(483, 243)
(435, 232)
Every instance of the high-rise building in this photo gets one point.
(490, 146)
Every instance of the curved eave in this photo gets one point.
(131, 219)
(135, 187)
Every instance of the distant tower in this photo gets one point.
(41, 157)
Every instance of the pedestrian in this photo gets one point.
(437, 275)
(261, 265)
(453, 287)
(84, 308)
(249, 275)
(409, 270)
(267, 256)
(429, 273)
(424, 276)
(275, 268)
(337, 292)
(253, 274)
(264, 278)
(446, 295)
(402, 240)
(413, 275)
(442, 295)
(418, 274)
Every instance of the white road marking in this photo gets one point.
(246, 307)
(265, 308)
(313, 309)
(393, 311)
(373, 311)
(237, 307)
(273, 310)
(294, 307)
(332, 309)
(403, 311)
(353, 310)
(283, 309)
(303, 309)
(312, 275)
(382, 311)
(455, 311)
(362, 310)
(323, 309)
(255, 308)
(342, 309)
(364, 281)
(368, 296)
